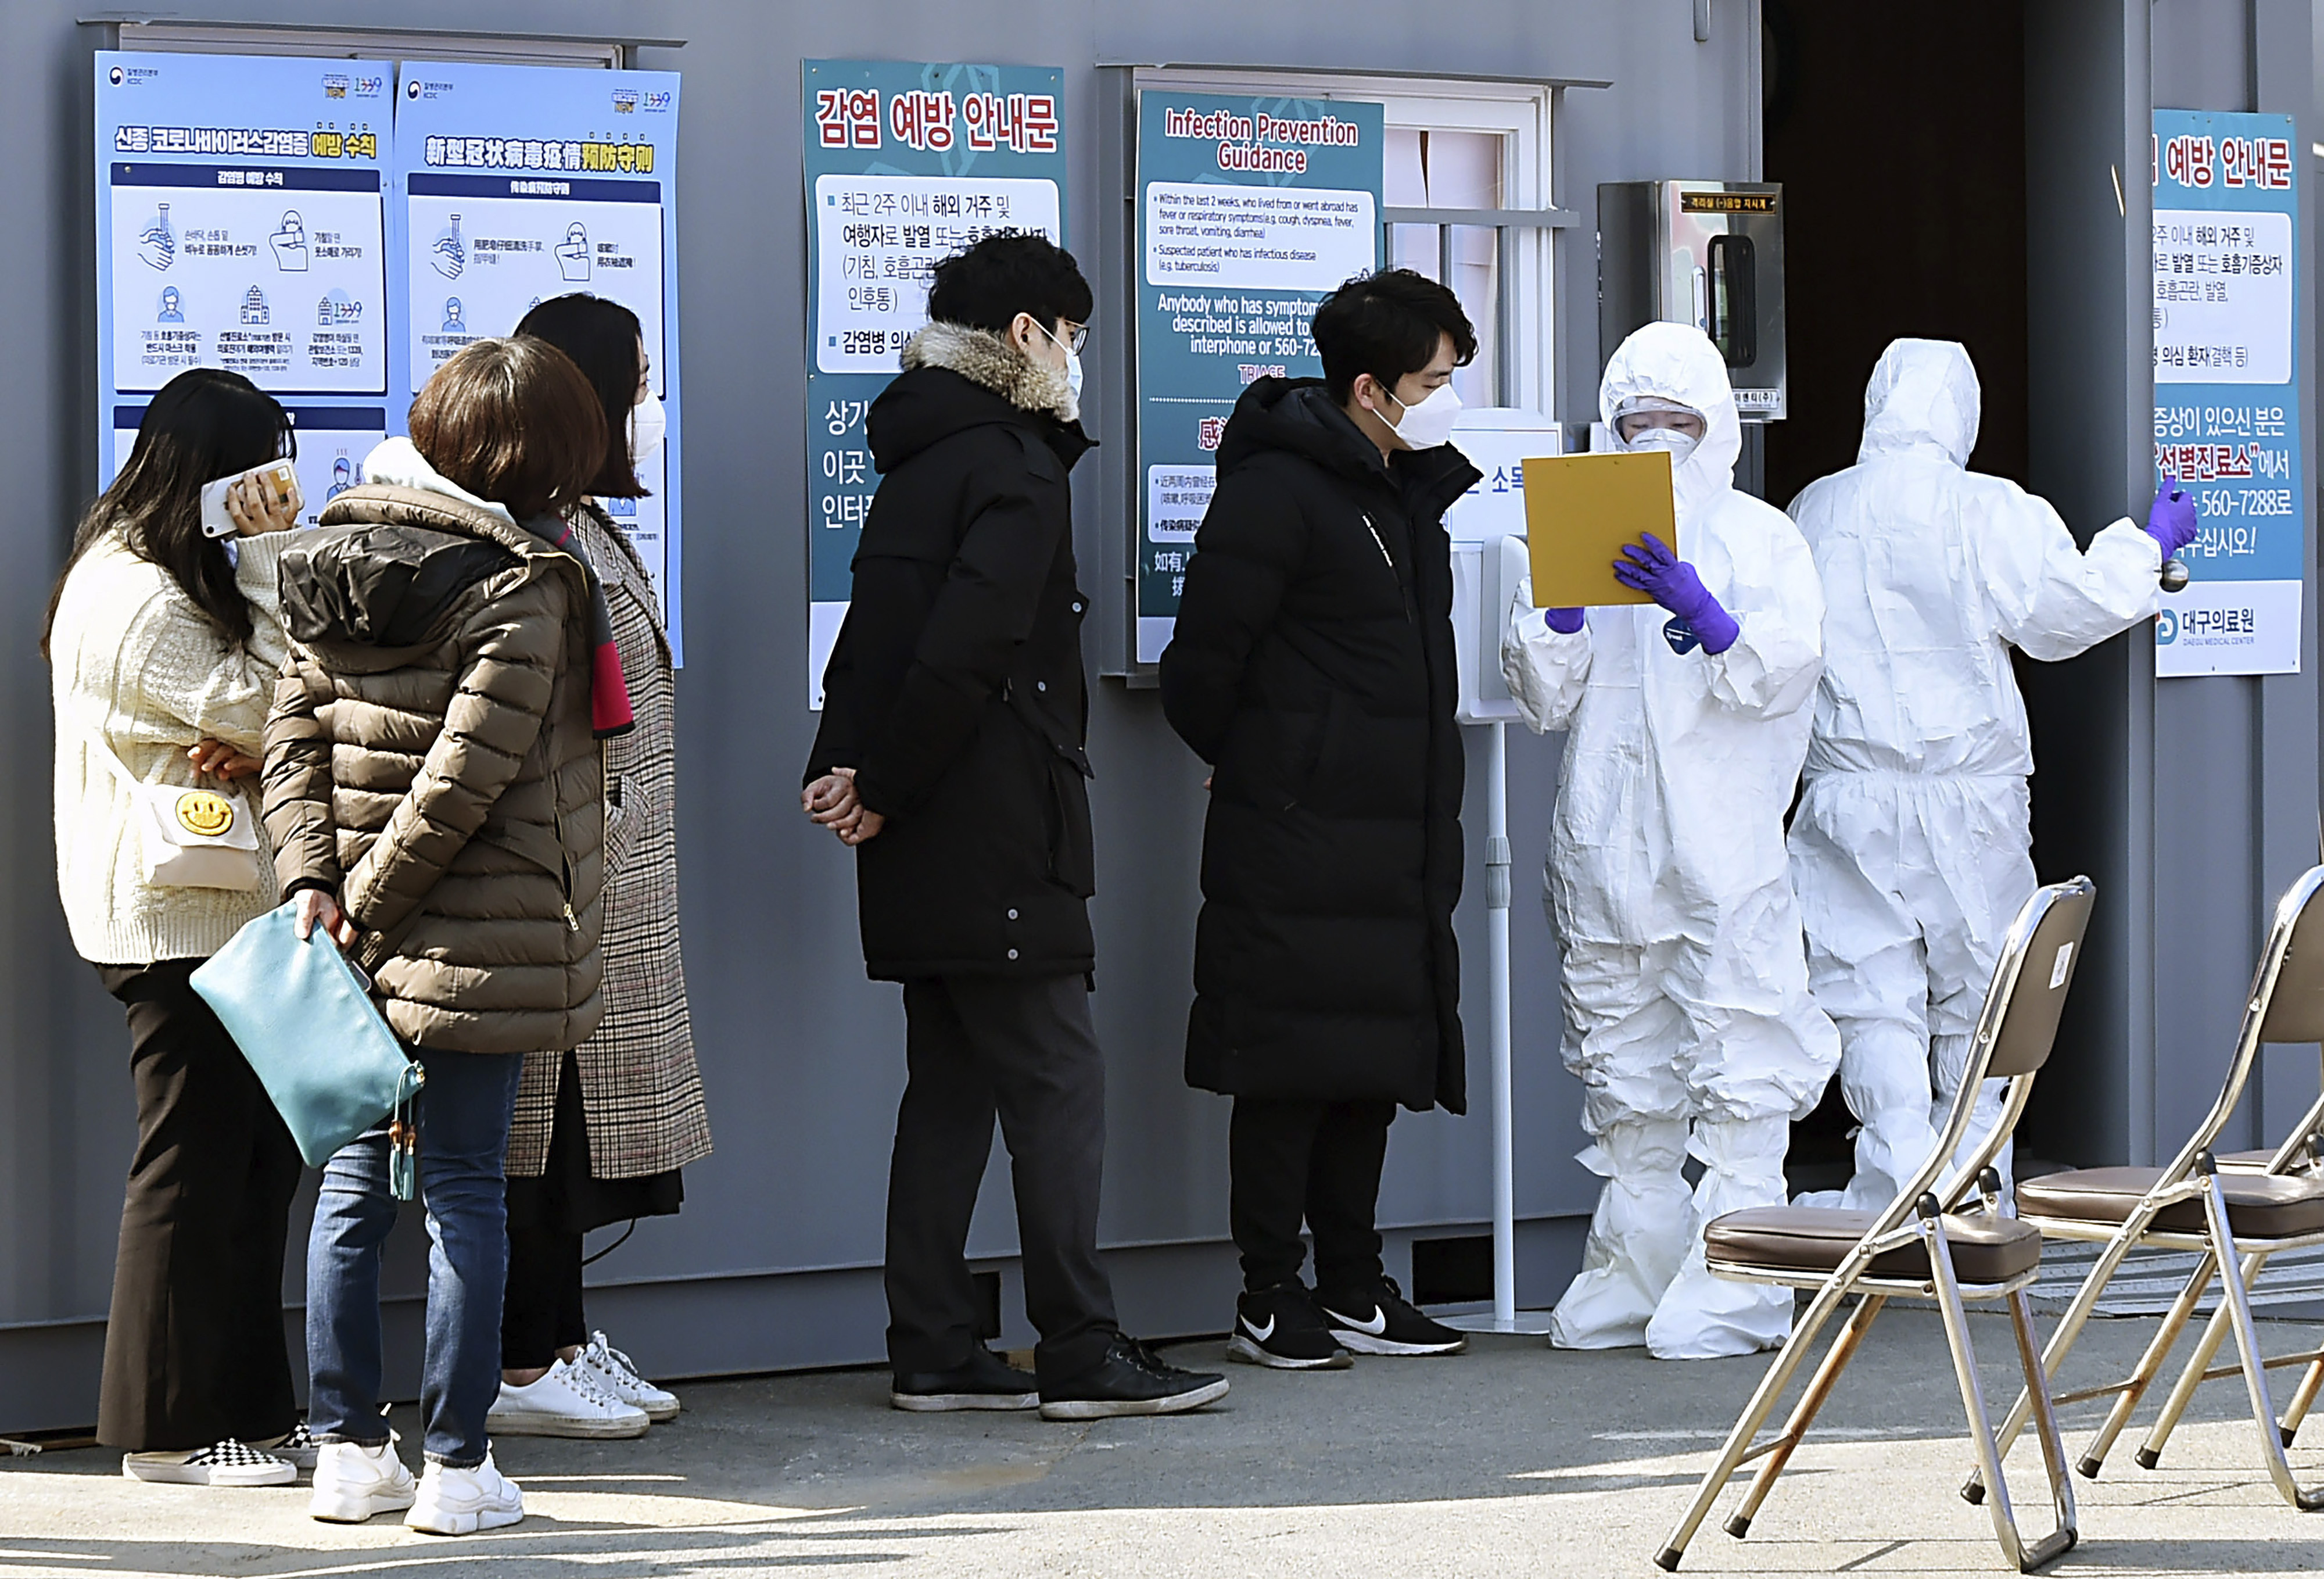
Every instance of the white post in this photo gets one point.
(1506, 1317)
(1497, 990)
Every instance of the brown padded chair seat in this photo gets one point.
(1816, 1238)
(2251, 1162)
(2260, 1205)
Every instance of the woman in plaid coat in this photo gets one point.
(601, 1132)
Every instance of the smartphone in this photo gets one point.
(279, 475)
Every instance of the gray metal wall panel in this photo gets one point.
(2208, 755)
(2087, 127)
(802, 1055)
(2292, 831)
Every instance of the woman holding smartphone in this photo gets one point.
(163, 644)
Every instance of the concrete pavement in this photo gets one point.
(1511, 1460)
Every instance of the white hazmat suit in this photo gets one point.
(1687, 1012)
(1910, 847)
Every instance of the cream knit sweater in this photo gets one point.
(135, 660)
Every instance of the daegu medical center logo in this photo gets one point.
(2166, 628)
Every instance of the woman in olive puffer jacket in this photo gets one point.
(434, 794)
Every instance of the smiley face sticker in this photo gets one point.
(205, 813)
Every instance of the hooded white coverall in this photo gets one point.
(1910, 847)
(1687, 1012)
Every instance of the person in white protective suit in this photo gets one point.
(1911, 848)
(1687, 1012)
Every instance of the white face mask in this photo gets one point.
(1679, 444)
(1429, 423)
(1073, 372)
(648, 425)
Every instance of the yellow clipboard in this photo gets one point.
(1581, 510)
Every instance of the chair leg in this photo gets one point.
(2062, 1343)
(1788, 1361)
(1835, 1361)
(2150, 1366)
(2303, 1397)
(2045, 1413)
(2025, 1559)
(2236, 1300)
(2191, 1379)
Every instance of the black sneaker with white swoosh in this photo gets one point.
(1381, 1321)
(1279, 1327)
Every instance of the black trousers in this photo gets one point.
(1027, 1051)
(540, 1310)
(1319, 1161)
(194, 1350)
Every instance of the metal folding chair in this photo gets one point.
(1943, 1238)
(2234, 1212)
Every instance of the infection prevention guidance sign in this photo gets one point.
(907, 162)
(2226, 392)
(1250, 212)
(241, 224)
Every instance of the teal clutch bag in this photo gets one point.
(303, 1015)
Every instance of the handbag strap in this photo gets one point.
(103, 749)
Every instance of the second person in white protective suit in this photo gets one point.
(1687, 1013)
(1911, 848)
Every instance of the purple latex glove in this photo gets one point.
(1564, 621)
(1650, 565)
(2171, 522)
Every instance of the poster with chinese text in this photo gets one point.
(519, 183)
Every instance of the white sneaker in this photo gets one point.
(619, 1375)
(352, 1482)
(568, 1401)
(462, 1501)
(221, 1464)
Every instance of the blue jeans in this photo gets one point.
(464, 1113)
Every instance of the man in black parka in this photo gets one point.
(950, 758)
(1313, 666)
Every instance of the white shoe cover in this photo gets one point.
(1701, 1316)
(1638, 1236)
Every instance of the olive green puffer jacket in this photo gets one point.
(429, 759)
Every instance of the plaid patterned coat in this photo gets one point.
(640, 1085)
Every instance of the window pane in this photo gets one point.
(1406, 184)
(1464, 170)
(1476, 281)
(1417, 247)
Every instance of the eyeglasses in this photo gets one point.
(1077, 336)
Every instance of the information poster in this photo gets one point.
(1250, 212)
(241, 224)
(2227, 394)
(519, 183)
(907, 163)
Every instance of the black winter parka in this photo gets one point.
(955, 687)
(1313, 666)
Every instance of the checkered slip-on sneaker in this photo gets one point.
(297, 1449)
(222, 1464)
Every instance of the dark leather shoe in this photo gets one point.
(1132, 1380)
(983, 1382)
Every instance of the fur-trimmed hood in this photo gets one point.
(988, 359)
(956, 379)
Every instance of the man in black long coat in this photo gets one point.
(950, 759)
(1313, 668)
